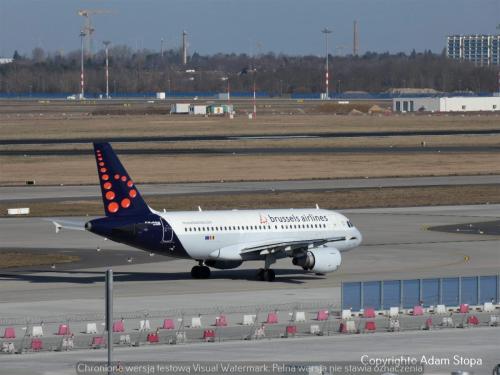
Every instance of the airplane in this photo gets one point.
(313, 238)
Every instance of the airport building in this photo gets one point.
(483, 50)
(446, 104)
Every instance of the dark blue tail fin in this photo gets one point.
(119, 193)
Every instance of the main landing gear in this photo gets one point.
(267, 274)
(200, 272)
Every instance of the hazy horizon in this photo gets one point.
(246, 26)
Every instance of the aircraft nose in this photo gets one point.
(358, 235)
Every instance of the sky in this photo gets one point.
(246, 26)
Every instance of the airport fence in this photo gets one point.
(450, 291)
(184, 326)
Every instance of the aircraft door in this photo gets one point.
(167, 232)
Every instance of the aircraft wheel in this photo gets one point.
(205, 272)
(196, 272)
(260, 274)
(200, 272)
(269, 275)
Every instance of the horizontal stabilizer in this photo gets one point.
(67, 224)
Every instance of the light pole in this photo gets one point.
(82, 92)
(106, 45)
(326, 31)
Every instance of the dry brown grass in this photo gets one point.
(71, 120)
(23, 259)
(197, 168)
(65, 126)
(355, 198)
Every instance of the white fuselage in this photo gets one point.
(204, 233)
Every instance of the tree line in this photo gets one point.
(148, 71)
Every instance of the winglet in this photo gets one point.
(57, 225)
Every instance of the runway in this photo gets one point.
(34, 193)
(263, 136)
(397, 244)
(262, 151)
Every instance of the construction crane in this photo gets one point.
(88, 30)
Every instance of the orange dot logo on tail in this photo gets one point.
(132, 193)
(101, 164)
(117, 176)
(107, 185)
(124, 178)
(110, 195)
(113, 207)
(125, 203)
(103, 170)
(130, 183)
(105, 177)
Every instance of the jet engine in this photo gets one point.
(321, 260)
(223, 264)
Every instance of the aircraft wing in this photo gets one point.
(287, 245)
(67, 224)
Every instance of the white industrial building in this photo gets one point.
(447, 104)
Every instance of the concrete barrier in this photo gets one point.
(144, 325)
(346, 314)
(440, 309)
(119, 326)
(63, 330)
(322, 315)
(249, 319)
(9, 333)
(168, 324)
(196, 322)
(36, 331)
(300, 316)
(91, 328)
(272, 318)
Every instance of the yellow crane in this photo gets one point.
(88, 29)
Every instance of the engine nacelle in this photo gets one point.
(223, 264)
(322, 259)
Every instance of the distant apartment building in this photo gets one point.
(482, 50)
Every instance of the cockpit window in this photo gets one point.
(350, 224)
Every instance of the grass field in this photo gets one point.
(66, 170)
(65, 126)
(75, 120)
(11, 259)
